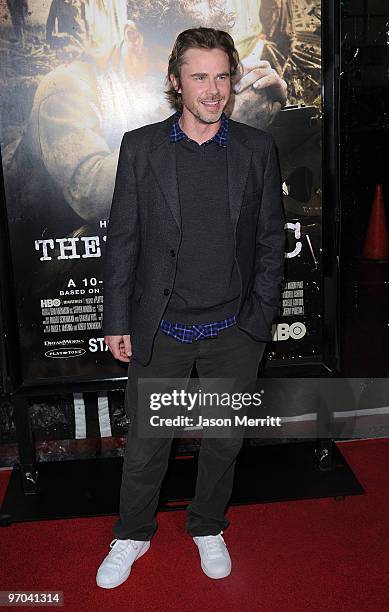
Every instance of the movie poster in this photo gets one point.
(77, 74)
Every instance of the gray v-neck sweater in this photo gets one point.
(207, 283)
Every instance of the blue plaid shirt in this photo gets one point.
(179, 331)
(176, 133)
(189, 333)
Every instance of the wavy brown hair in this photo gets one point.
(197, 38)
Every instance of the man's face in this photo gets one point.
(133, 37)
(205, 83)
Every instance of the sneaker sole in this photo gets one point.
(116, 584)
(214, 577)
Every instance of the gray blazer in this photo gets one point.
(144, 233)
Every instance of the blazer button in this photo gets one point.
(166, 291)
(173, 253)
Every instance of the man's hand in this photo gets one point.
(260, 75)
(120, 347)
(260, 92)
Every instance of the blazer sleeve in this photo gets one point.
(270, 238)
(122, 247)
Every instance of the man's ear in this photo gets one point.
(176, 84)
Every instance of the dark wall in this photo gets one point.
(364, 116)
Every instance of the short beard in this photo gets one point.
(206, 120)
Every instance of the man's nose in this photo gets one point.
(213, 85)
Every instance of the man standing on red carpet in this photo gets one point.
(193, 268)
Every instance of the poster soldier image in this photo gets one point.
(76, 76)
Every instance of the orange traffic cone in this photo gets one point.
(377, 242)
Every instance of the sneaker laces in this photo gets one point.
(119, 551)
(213, 546)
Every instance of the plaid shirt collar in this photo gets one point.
(176, 133)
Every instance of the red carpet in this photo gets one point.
(315, 555)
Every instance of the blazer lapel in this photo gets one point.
(163, 162)
(238, 165)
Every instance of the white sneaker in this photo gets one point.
(116, 566)
(215, 559)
